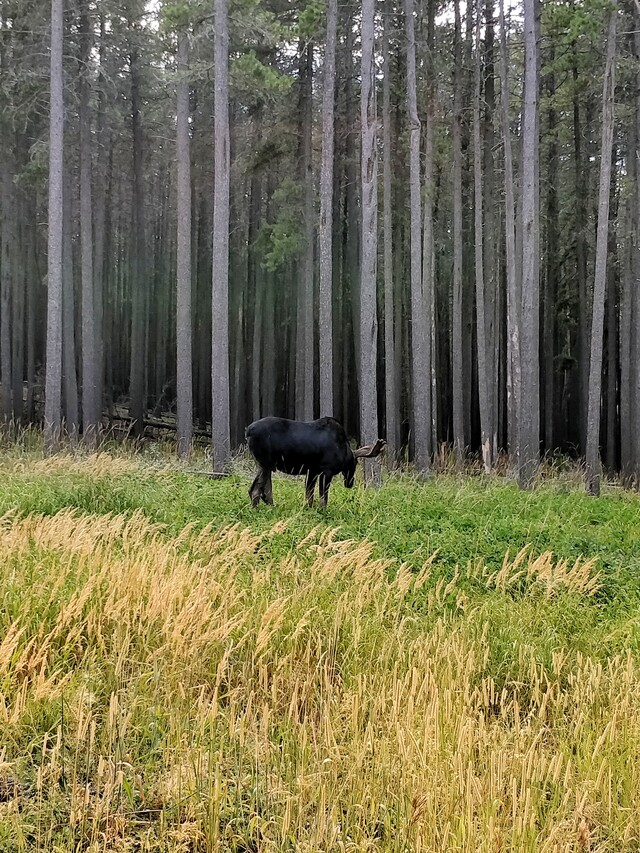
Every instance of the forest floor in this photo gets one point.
(447, 665)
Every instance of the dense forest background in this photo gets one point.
(420, 217)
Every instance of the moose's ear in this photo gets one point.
(370, 450)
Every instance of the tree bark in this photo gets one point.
(369, 184)
(90, 403)
(486, 428)
(53, 381)
(70, 377)
(220, 273)
(600, 273)
(184, 369)
(456, 307)
(392, 401)
(513, 294)
(529, 444)
(325, 303)
(137, 393)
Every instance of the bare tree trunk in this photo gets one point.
(101, 205)
(184, 369)
(551, 267)
(7, 197)
(392, 400)
(634, 307)
(420, 423)
(137, 394)
(304, 326)
(325, 312)
(581, 263)
(628, 240)
(369, 183)
(456, 308)
(90, 404)
(428, 252)
(18, 299)
(70, 377)
(490, 242)
(486, 427)
(53, 381)
(220, 291)
(600, 273)
(529, 444)
(513, 295)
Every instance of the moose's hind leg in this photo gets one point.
(256, 491)
(267, 489)
(310, 485)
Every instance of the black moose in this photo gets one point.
(319, 449)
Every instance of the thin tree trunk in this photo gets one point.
(101, 205)
(628, 239)
(600, 273)
(137, 395)
(220, 290)
(420, 384)
(7, 238)
(513, 295)
(70, 378)
(184, 369)
(486, 428)
(90, 403)
(456, 308)
(428, 252)
(529, 444)
(369, 183)
(325, 304)
(392, 400)
(490, 231)
(304, 328)
(53, 381)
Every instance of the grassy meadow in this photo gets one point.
(449, 665)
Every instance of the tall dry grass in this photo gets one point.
(193, 693)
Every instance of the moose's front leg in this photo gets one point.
(310, 485)
(325, 482)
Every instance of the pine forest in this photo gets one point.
(421, 218)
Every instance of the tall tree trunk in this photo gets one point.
(634, 307)
(53, 381)
(600, 273)
(486, 427)
(428, 252)
(392, 400)
(369, 184)
(90, 403)
(184, 369)
(325, 303)
(513, 294)
(18, 299)
(101, 206)
(7, 272)
(529, 444)
(220, 290)
(581, 262)
(490, 231)
(551, 264)
(137, 392)
(421, 380)
(70, 377)
(456, 308)
(304, 331)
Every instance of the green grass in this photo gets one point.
(288, 632)
(462, 518)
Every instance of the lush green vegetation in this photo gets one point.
(181, 672)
